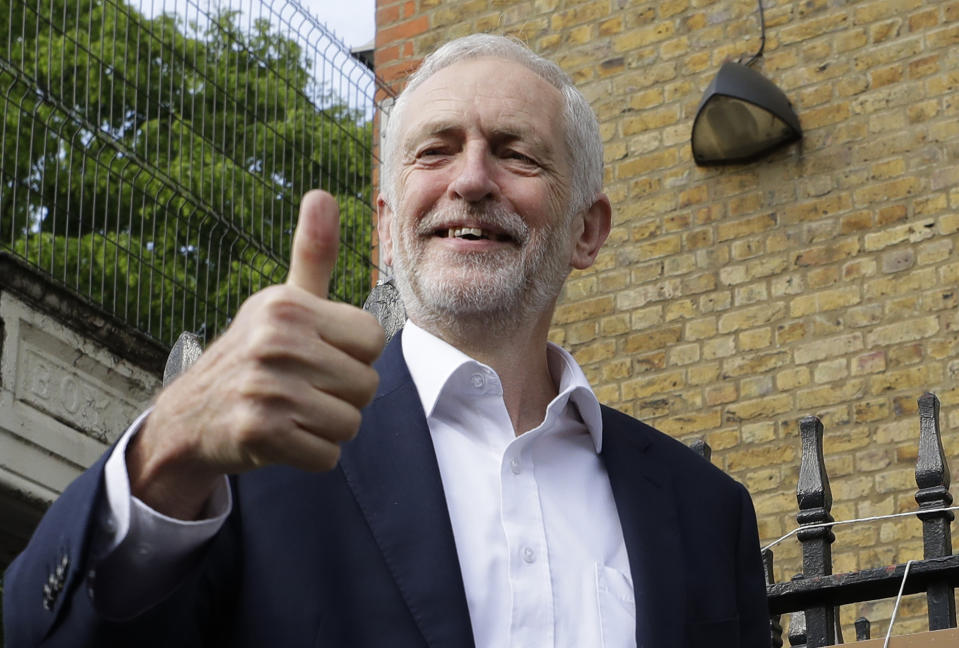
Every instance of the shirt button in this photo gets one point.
(515, 466)
(529, 555)
(143, 551)
(477, 381)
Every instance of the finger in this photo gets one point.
(304, 450)
(351, 330)
(315, 243)
(331, 371)
(327, 417)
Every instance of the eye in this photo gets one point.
(432, 151)
(511, 154)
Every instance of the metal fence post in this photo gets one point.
(932, 478)
(815, 502)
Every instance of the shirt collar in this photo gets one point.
(432, 362)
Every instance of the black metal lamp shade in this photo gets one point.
(742, 116)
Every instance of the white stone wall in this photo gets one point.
(63, 399)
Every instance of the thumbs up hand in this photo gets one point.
(283, 385)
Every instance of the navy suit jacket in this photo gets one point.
(364, 555)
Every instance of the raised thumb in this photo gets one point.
(315, 243)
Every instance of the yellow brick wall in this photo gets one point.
(731, 302)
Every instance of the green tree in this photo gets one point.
(156, 167)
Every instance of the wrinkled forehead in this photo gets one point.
(486, 92)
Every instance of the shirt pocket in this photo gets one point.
(616, 607)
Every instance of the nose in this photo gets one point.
(474, 180)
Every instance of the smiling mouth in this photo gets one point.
(473, 234)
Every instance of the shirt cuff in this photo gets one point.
(132, 538)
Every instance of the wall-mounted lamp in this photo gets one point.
(742, 115)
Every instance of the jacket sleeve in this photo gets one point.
(50, 588)
(754, 629)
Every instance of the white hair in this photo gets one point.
(583, 144)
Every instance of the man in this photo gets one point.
(487, 498)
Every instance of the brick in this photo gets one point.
(830, 253)
(908, 284)
(723, 439)
(649, 362)
(719, 347)
(829, 347)
(680, 309)
(582, 332)
(721, 394)
(786, 333)
(887, 191)
(652, 340)
(650, 119)
(822, 277)
(755, 339)
(755, 386)
(757, 481)
(904, 355)
(683, 354)
(830, 371)
(752, 364)
(792, 378)
(948, 223)
(943, 37)
(614, 325)
(652, 385)
(746, 226)
(585, 309)
(761, 408)
(855, 488)
(678, 264)
(857, 268)
(809, 399)
(746, 295)
(616, 370)
(912, 232)
(595, 352)
(763, 456)
(903, 331)
(701, 328)
(703, 373)
(403, 31)
(912, 378)
(868, 363)
(608, 394)
(827, 115)
(750, 317)
(695, 422)
(645, 318)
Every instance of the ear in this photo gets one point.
(596, 223)
(384, 230)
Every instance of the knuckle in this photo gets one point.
(332, 457)
(351, 422)
(371, 382)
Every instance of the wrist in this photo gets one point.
(165, 477)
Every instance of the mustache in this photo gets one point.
(492, 217)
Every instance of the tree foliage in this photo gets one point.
(156, 167)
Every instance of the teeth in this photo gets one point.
(456, 232)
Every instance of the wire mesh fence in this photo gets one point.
(154, 152)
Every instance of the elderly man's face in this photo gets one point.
(481, 224)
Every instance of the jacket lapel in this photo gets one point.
(642, 488)
(391, 468)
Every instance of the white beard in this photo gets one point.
(498, 289)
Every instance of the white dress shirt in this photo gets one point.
(537, 534)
